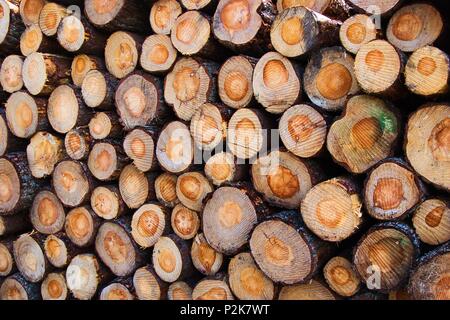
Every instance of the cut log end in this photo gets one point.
(81, 65)
(102, 161)
(43, 152)
(140, 147)
(204, 258)
(16, 287)
(6, 260)
(47, 213)
(94, 88)
(185, 222)
(82, 276)
(357, 31)
(63, 109)
(190, 32)
(431, 221)
(309, 291)
(133, 186)
(10, 186)
(245, 133)
(80, 226)
(29, 258)
(22, 114)
(341, 277)
(179, 291)
(158, 53)
(210, 289)
(71, 33)
(163, 15)
(147, 284)
(30, 11)
(56, 251)
(102, 12)
(192, 188)
(50, 18)
(148, 224)
(208, 127)
(11, 73)
(115, 292)
(165, 189)
(71, 183)
(76, 144)
(221, 168)
(106, 202)
(54, 287)
(121, 54)
(168, 259)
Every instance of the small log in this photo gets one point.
(139, 145)
(340, 276)
(47, 213)
(7, 265)
(201, 5)
(431, 221)
(303, 130)
(165, 189)
(43, 153)
(212, 288)
(171, 258)
(107, 202)
(388, 251)
(357, 31)
(16, 287)
(30, 11)
(43, 73)
(286, 251)
(192, 188)
(314, 290)
(119, 289)
(11, 73)
(8, 141)
(50, 17)
(105, 125)
(425, 143)
(179, 290)
(81, 226)
(33, 40)
(204, 258)
(82, 64)
(148, 285)
(276, 82)
(365, 134)
(14, 224)
(54, 287)
(190, 84)
(223, 168)
(148, 224)
(11, 27)
(384, 8)
(335, 9)
(77, 143)
(392, 190)
(298, 31)
(98, 89)
(185, 222)
(59, 249)
(106, 160)
(163, 15)
(158, 54)
(136, 187)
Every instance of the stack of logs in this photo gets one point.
(222, 149)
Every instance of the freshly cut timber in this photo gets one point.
(148, 285)
(26, 115)
(117, 249)
(11, 27)
(285, 251)
(192, 188)
(313, 290)
(139, 100)
(158, 54)
(122, 53)
(30, 11)
(81, 226)
(392, 190)
(171, 258)
(244, 25)
(136, 187)
(208, 126)
(384, 256)
(77, 143)
(184, 221)
(17, 185)
(332, 209)
(105, 125)
(190, 84)
(54, 287)
(59, 249)
(329, 78)
(72, 183)
(338, 9)
(50, 17)
(139, 145)
(212, 288)
(163, 15)
(43, 73)
(384, 7)
(426, 143)
(276, 82)
(414, 26)
(179, 290)
(8, 141)
(16, 287)
(429, 281)
(247, 281)
(165, 189)
(106, 160)
(43, 152)
(81, 65)
(234, 81)
(303, 130)
(431, 221)
(47, 213)
(11, 73)
(107, 202)
(298, 31)
(33, 40)
(224, 168)
(427, 72)
(204, 258)
(248, 131)
(229, 216)
(357, 31)
(14, 224)
(379, 69)
(120, 289)
(7, 265)
(84, 275)
(130, 15)
(340, 276)
(201, 5)
(30, 259)
(283, 179)
(175, 148)
(365, 134)
(98, 89)
(148, 224)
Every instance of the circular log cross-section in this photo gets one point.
(71, 33)
(122, 53)
(30, 11)
(163, 15)
(391, 191)
(115, 291)
(81, 226)
(133, 186)
(165, 189)
(33, 40)
(59, 250)
(47, 213)
(222, 168)
(179, 290)
(329, 78)
(357, 31)
(103, 125)
(228, 218)
(192, 188)
(81, 65)
(10, 186)
(50, 17)
(6, 259)
(427, 72)
(313, 290)
(364, 135)
(212, 289)
(77, 143)
(185, 222)
(431, 221)
(175, 148)
(83, 276)
(43, 153)
(340, 276)
(414, 26)
(107, 202)
(54, 287)
(16, 287)
(158, 54)
(29, 258)
(427, 145)
(139, 146)
(190, 33)
(276, 84)
(71, 183)
(204, 258)
(104, 162)
(98, 90)
(388, 249)
(303, 130)
(147, 284)
(247, 281)
(384, 7)
(11, 74)
(148, 224)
